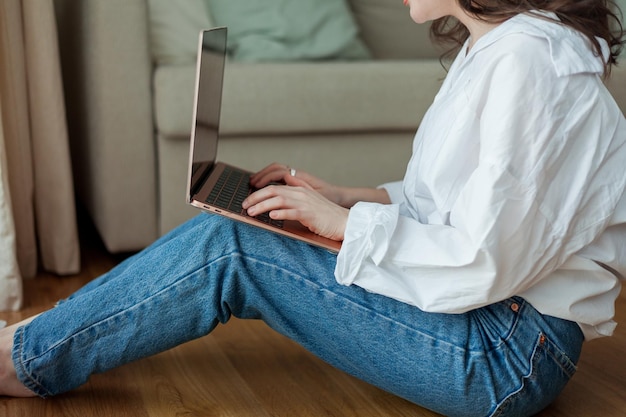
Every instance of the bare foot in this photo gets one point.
(9, 384)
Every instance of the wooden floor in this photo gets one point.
(246, 369)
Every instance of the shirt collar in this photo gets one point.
(570, 50)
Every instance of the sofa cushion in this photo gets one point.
(304, 97)
(407, 40)
(174, 29)
(286, 30)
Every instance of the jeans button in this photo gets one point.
(515, 307)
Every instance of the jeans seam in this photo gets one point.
(398, 323)
(327, 289)
(522, 306)
(500, 407)
(20, 367)
(564, 363)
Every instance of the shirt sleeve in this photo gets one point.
(546, 183)
(394, 189)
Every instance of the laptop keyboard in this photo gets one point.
(231, 189)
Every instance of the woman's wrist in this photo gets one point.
(348, 197)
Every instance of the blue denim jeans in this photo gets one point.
(505, 359)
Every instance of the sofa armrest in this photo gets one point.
(107, 70)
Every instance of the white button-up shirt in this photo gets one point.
(516, 186)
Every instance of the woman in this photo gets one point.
(468, 288)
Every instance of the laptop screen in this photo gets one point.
(208, 99)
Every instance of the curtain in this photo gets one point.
(37, 212)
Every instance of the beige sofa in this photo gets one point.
(129, 111)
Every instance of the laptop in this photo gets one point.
(218, 187)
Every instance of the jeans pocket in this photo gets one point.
(497, 323)
(550, 371)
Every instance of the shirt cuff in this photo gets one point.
(367, 237)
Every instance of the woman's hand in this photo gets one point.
(297, 200)
(279, 173)
(342, 196)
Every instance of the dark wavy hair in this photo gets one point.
(593, 18)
